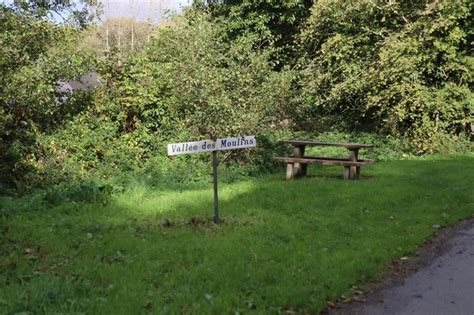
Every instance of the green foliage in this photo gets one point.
(402, 68)
(397, 74)
(169, 92)
(277, 23)
(216, 88)
(35, 56)
(85, 192)
(75, 13)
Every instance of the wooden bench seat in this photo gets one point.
(322, 160)
(296, 166)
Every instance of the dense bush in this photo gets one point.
(277, 22)
(170, 91)
(35, 57)
(396, 74)
(401, 68)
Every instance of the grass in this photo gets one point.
(283, 246)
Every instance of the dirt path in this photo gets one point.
(438, 280)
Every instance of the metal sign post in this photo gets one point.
(214, 177)
(213, 147)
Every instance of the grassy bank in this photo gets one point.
(282, 245)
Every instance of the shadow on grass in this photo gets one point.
(390, 189)
(389, 184)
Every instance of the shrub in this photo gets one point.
(402, 69)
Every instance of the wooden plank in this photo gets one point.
(306, 160)
(316, 143)
(336, 159)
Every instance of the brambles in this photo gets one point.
(399, 73)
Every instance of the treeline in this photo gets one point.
(399, 70)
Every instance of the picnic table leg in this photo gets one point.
(347, 172)
(299, 169)
(354, 170)
(303, 170)
(290, 174)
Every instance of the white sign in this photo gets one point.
(209, 145)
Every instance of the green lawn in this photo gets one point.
(283, 246)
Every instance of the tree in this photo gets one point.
(277, 23)
(35, 55)
(75, 13)
(401, 68)
(187, 83)
(126, 35)
(215, 87)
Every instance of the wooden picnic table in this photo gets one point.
(298, 162)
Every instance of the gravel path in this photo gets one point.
(443, 284)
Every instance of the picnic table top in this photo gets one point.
(297, 143)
